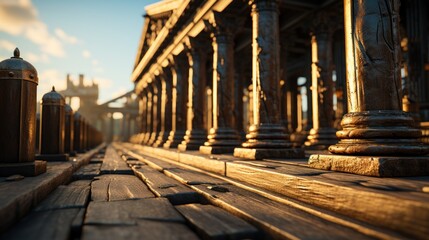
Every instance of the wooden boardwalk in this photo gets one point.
(128, 191)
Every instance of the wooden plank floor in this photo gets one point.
(133, 192)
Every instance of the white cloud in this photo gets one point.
(86, 54)
(34, 58)
(98, 70)
(94, 62)
(6, 45)
(20, 18)
(65, 37)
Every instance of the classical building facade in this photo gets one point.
(268, 79)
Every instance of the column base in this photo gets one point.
(162, 138)
(72, 154)
(221, 140)
(174, 139)
(261, 153)
(27, 169)
(152, 139)
(146, 138)
(216, 149)
(193, 140)
(321, 139)
(53, 157)
(376, 166)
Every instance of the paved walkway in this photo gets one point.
(127, 191)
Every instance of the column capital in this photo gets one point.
(223, 26)
(264, 5)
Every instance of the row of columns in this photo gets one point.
(373, 72)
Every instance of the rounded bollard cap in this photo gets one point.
(53, 98)
(77, 116)
(17, 68)
(68, 109)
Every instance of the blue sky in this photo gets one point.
(98, 38)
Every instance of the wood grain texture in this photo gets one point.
(114, 187)
(396, 205)
(277, 220)
(113, 163)
(142, 230)
(190, 177)
(51, 224)
(66, 197)
(16, 198)
(87, 172)
(164, 186)
(215, 223)
(129, 212)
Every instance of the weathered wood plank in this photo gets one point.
(118, 187)
(344, 193)
(113, 163)
(215, 223)
(143, 230)
(87, 172)
(276, 219)
(190, 177)
(66, 197)
(155, 163)
(51, 224)
(129, 212)
(16, 198)
(163, 186)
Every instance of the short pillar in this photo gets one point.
(18, 89)
(52, 127)
(69, 131)
(378, 138)
(266, 137)
(77, 132)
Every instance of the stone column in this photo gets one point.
(416, 85)
(156, 110)
(165, 111)
(143, 116)
(376, 132)
(223, 136)
(179, 96)
(323, 133)
(267, 136)
(149, 115)
(196, 134)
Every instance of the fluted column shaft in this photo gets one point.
(178, 117)
(195, 133)
(223, 136)
(323, 133)
(267, 136)
(165, 106)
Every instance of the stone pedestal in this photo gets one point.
(378, 138)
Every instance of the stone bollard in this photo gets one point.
(77, 140)
(18, 90)
(52, 127)
(69, 131)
